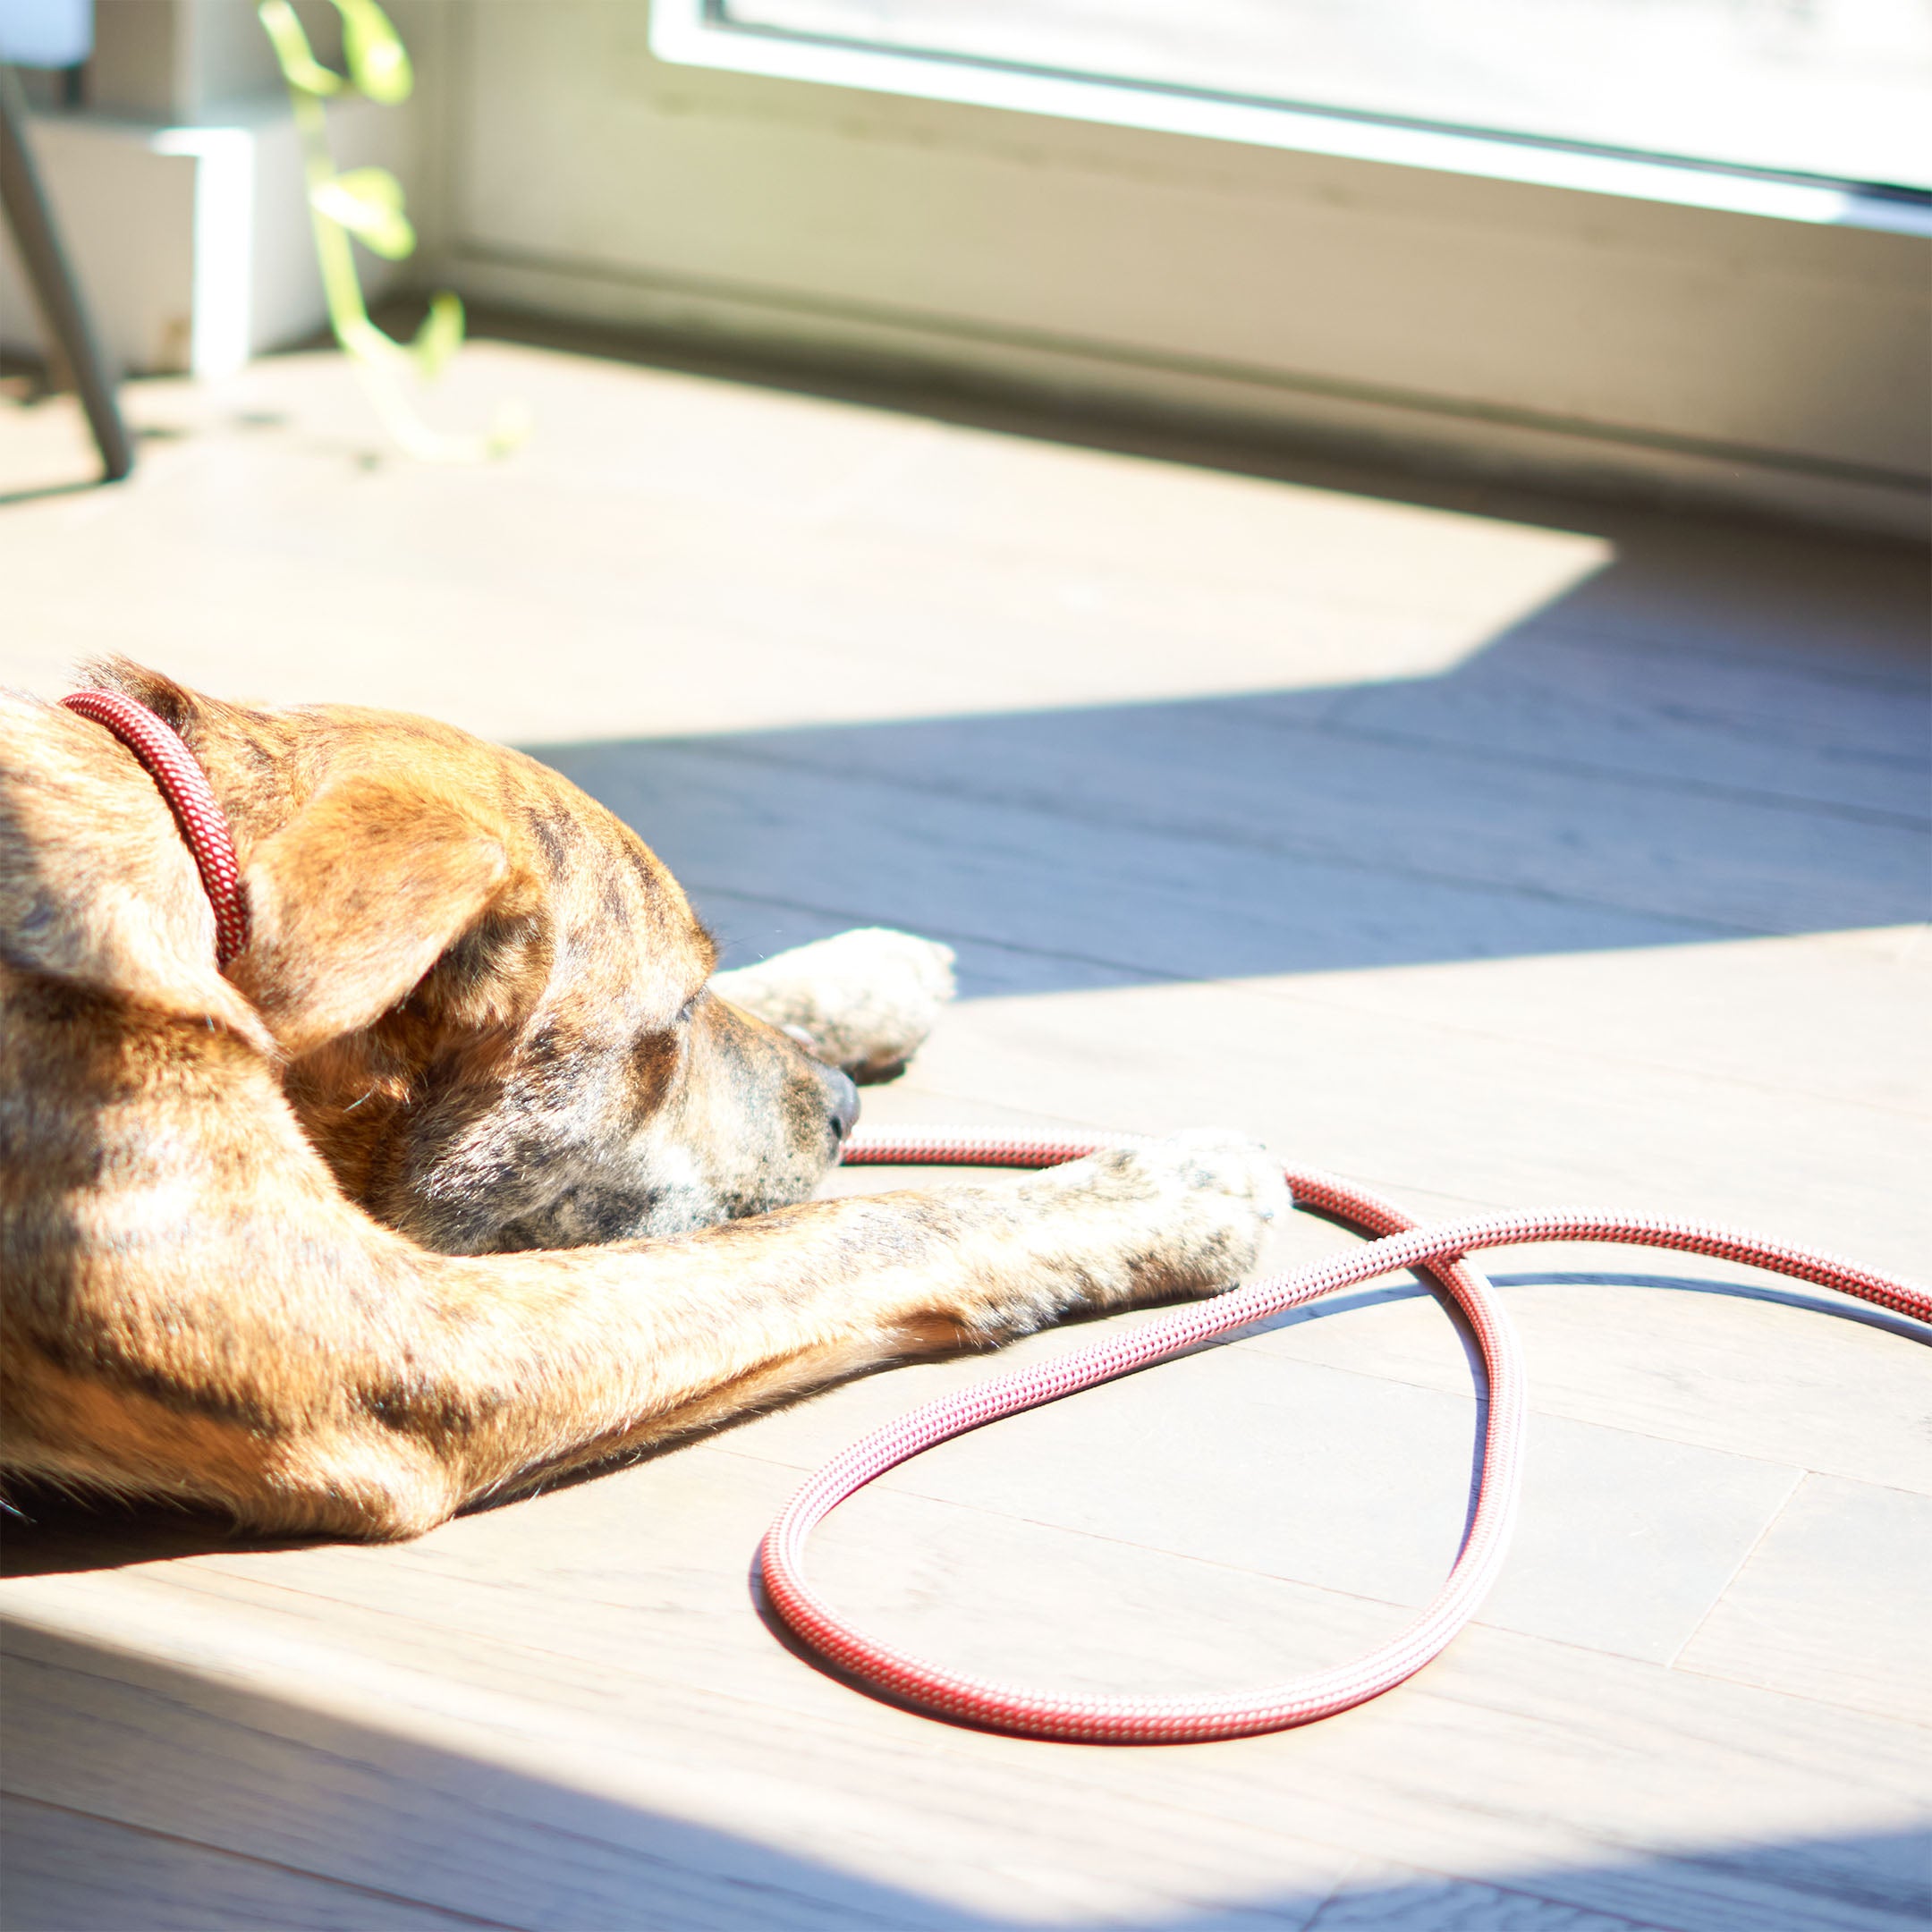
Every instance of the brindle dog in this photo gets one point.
(311, 1242)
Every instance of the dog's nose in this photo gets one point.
(845, 1098)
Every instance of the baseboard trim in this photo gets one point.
(1353, 422)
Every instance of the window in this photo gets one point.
(961, 197)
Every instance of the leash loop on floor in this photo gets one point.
(1398, 1243)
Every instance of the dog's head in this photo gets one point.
(491, 996)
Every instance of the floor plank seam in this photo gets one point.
(1279, 995)
(541, 1827)
(1116, 1542)
(1737, 1568)
(1908, 684)
(1338, 726)
(454, 1914)
(953, 936)
(1269, 1576)
(1169, 1803)
(1340, 1896)
(1478, 1397)
(1340, 857)
(1803, 1697)
(522, 1646)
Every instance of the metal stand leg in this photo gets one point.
(53, 285)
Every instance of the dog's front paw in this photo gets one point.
(1186, 1216)
(863, 1001)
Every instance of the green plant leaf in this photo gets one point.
(375, 186)
(440, 336)
(366, 204)
(299, 67)
(378, 62)
(369, 203)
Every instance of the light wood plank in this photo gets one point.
(618, 547)
(1832, 1603)
(1414, 1107)
(1270, 818)
(1629, 1340)
(1167, 904)
(1390, 1898)
(1493, 1763)
(1354, 1483)
(66, 1871)
(1837, 1015)
(524, 1785)
(1826, 731)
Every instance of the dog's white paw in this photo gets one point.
(1212, 1160)
(1183, 1216)
(864, 1001)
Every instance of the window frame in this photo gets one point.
(699, 33)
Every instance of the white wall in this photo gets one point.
(179, 190)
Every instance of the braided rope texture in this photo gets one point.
(1397, 1242)
(178, 776)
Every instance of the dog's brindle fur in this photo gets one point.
(313, 1241)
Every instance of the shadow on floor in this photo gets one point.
(230, 1810)
(46, 1531)
(1563, 791)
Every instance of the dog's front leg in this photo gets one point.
(364, 1387)
(541, 1362)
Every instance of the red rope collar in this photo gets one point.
(183, 783)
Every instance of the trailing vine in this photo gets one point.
(367, 204)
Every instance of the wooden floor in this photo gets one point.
(1494, 851)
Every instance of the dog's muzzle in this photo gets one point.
(843, 1097)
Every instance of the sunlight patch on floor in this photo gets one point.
(675, 555)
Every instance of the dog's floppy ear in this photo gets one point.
(353, 902)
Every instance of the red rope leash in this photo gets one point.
(1402, 1244)
(182, 782)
